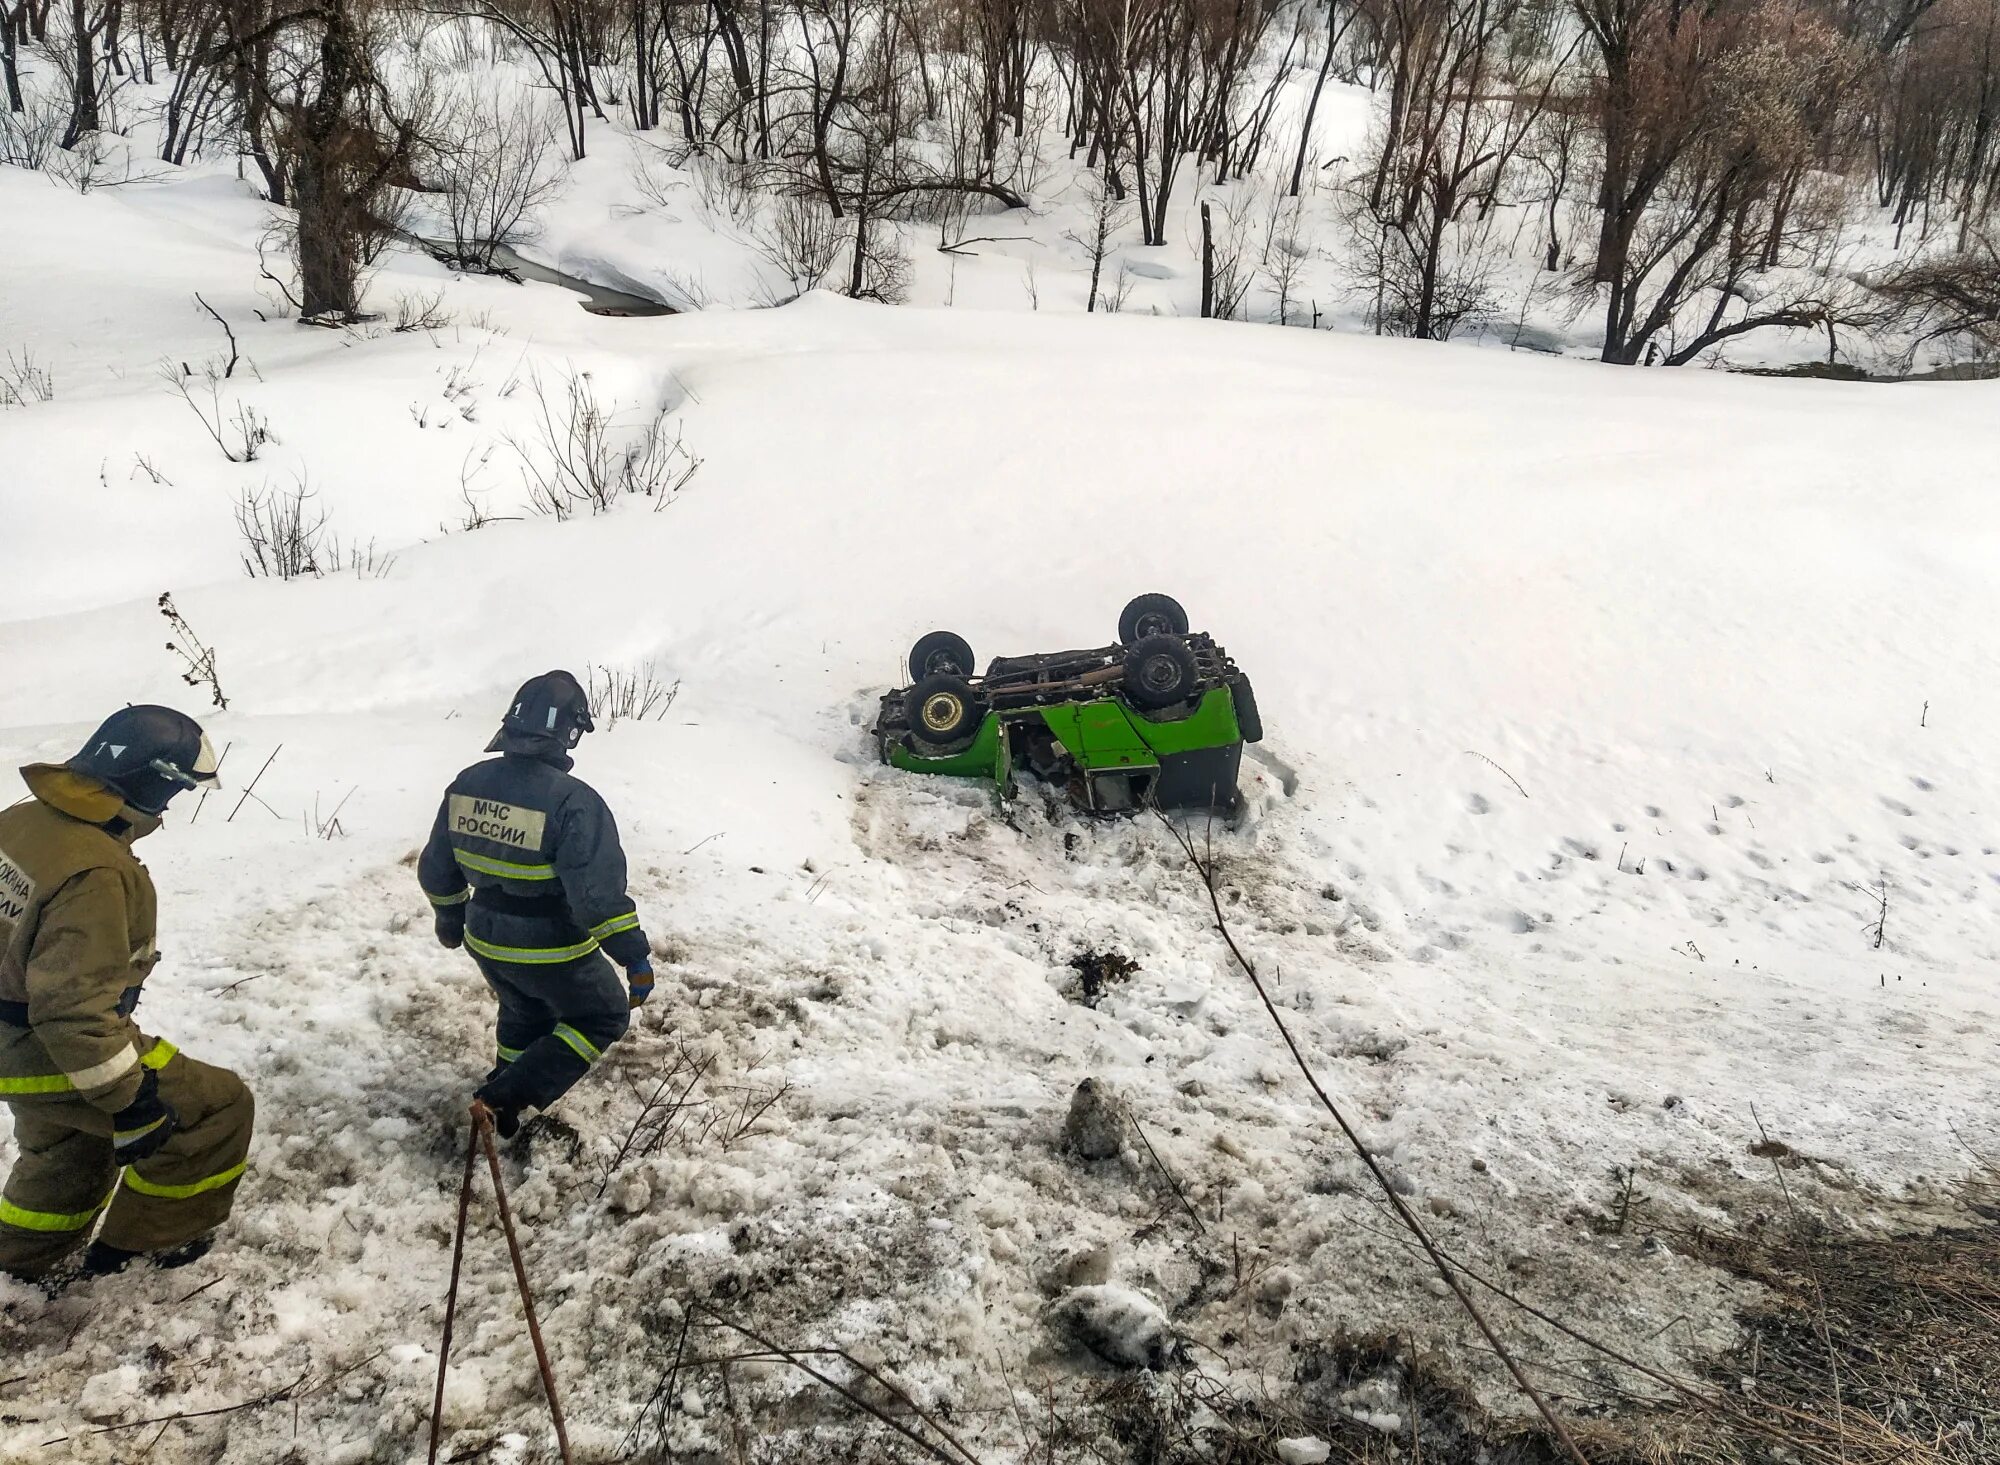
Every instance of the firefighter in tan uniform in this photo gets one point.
(108, 1121)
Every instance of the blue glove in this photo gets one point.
(143, 1126)
(640, 979)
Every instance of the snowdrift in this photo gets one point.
(1605, 709)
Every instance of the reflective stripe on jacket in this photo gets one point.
(541, 848)
(77, 913)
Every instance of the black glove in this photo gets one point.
(451, 927)
(143, 1126)
(506, 1113)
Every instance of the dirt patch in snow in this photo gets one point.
(1860, 1348)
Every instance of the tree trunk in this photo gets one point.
(1614, 239)
(1207, 267)
(644, 117)
(1312, 105)
(10, 60)
(250, 79)
(764, 79)
(859, 276)
(329, 256)
(83, 114)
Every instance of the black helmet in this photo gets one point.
(552, 707)
(148, 754)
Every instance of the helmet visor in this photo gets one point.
(207, 768)
(204, 774)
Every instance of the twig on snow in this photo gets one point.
(198, 1291)
(1880, 927)
(296, 1389)
(251, 789)
(796, 1358)
(1503, 772)
(1168, 1175)
(229, 370)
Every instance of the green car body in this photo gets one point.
(1113, 757)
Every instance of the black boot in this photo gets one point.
(103, 1260)
(107, 1261)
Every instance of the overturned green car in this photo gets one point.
(1157, 720)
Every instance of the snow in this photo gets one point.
(1599, 701)
(1305, 1450)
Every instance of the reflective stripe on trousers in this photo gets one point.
(156, 1057)
(27, 1220)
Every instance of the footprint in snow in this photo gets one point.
(1897, 806)
(1477, 804)
(1921, 785)
(1734, 801)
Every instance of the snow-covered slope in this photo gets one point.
(1600, 704)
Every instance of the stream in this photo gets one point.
(597, 299)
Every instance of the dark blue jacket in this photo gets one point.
(534, 853)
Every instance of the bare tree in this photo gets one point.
(495, 159)
(78, 57)
(1340, 18)
(560, 37)
(1449, 140)
(13, 20)
(344, 139)
(1726, 113)
(1107, 216)
(1957, 296)
(580, 460)
(803, 239)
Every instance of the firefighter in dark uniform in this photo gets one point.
(524, 870)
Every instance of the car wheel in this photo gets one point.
(1248, 721)
(940, 651)
(945, 713)
(1159, 672)
(1151, 615)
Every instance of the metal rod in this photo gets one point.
(483, 1126)
(451, 1297)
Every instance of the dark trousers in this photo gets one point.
(555, 1021)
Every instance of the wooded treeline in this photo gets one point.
(1691, 171)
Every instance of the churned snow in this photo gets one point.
(1603, 706)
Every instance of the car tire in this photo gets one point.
(1151, 615)
(1248, 720)
(944, 712)
(1159, 672)
(940, 651)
